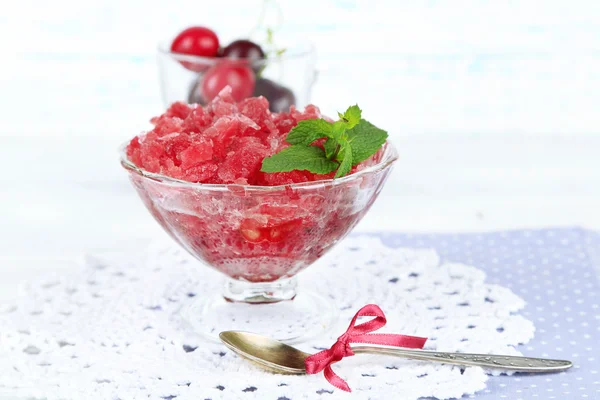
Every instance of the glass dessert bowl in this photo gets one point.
(259, 237)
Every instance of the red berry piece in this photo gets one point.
(280, 232)
(196, 41)
(252, 231)
(245, 50)
(239, 77)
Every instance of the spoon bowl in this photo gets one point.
(268, 353)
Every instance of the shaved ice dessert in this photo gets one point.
(222, 143)
(198, 171)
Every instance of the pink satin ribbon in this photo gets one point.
(358, 334)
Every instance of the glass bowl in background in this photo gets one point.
(259, 238)
(284, 79)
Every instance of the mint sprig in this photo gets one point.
(350, 141)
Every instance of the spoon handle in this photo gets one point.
(512, 363)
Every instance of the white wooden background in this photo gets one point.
(493, 105)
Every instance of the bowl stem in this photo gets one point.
(260, 292)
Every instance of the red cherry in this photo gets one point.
(238, 76)
(196, 41)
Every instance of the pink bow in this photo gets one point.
(322, 360)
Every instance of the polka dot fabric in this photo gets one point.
(557, 272)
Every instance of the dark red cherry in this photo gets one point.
(280, 98)
(245, 50)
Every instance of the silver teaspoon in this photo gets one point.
(284, 359)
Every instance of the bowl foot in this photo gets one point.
(299, 319)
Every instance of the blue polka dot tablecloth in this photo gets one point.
(557, 272)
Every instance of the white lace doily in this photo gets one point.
(105, 334)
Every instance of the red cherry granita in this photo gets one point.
(224, 142)
(223, 209)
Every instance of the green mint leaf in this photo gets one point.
(352, 116)
(365, 139)
(330, 147)
(299, 157)
(339, 130)
(308, 131)
(346, 164)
